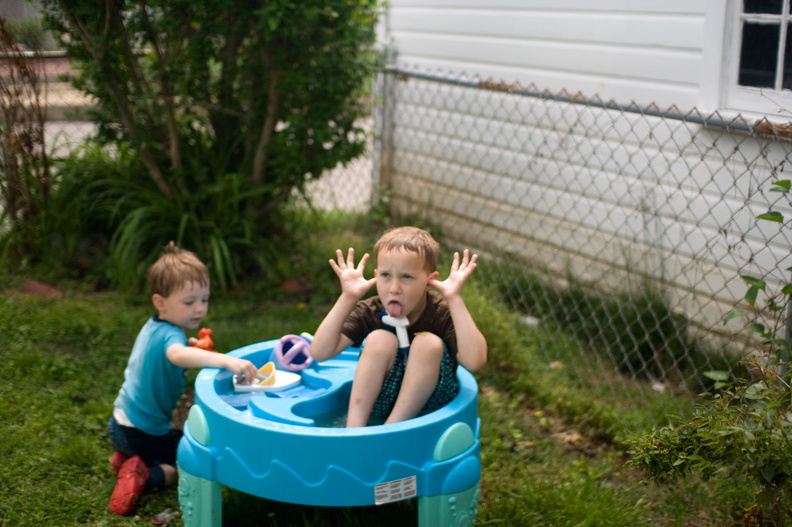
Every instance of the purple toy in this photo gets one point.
(293, 352)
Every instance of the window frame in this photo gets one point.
(768, 101)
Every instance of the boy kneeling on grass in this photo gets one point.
(154, 379)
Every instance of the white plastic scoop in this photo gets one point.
(400, 323)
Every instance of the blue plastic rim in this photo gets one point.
(268, 444)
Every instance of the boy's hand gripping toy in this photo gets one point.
(292, 353)
(204, 339)
(269, 379)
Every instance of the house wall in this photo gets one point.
(649, 52)
(611, 197)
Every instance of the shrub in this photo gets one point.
(226, 108)
(742, 436)
(25, 176)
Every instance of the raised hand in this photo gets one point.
(353, 283)
(460, 272)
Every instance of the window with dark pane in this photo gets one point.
(763, 6)
(759, 55)
(786, 80)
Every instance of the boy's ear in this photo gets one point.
(158, 301)
(433, 276)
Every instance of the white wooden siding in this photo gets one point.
(649, 52)
(569, 188)
(608, 198)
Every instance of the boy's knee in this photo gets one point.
(427, 343)
(381, 341)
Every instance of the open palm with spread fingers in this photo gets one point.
(353, 282)
(460, 272)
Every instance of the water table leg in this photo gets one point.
(449, 510)
(201, 501)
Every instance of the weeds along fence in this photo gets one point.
(628, 225)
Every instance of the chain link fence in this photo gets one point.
(628, 225)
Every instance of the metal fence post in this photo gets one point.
(383, 141)
(787, 336)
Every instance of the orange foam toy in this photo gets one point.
(205, 339)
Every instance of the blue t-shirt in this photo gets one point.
(152, 384)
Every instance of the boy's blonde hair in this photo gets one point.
(174, 269)
(410, 239)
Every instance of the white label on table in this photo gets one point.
(398, 489)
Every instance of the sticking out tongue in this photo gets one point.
(394, 309)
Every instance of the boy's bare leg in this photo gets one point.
(373, 366)
(420, 377)
(171, 475)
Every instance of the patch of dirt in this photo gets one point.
(183, 408)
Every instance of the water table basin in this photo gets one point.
(288, 446)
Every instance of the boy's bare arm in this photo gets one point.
(189, 357)
(328, 340)
(471, 345)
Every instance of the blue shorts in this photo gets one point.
(154, 450)
(447, 387)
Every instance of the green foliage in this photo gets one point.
(209, 221)
(30, 34)
(72, 233)
(201, 90)
(25, 177)
(223, 111)
(742, 436)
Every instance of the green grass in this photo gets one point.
(543, 463)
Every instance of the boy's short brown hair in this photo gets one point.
(410, 239)
(173, 269)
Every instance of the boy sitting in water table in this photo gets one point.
(396, 379)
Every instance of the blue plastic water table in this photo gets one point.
(282, 446)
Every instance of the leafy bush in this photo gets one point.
(208, 221)
(223, 110)
(200, 90)
(742, 436)
(70, 233)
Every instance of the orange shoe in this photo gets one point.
(132, 478)
(117, 460)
